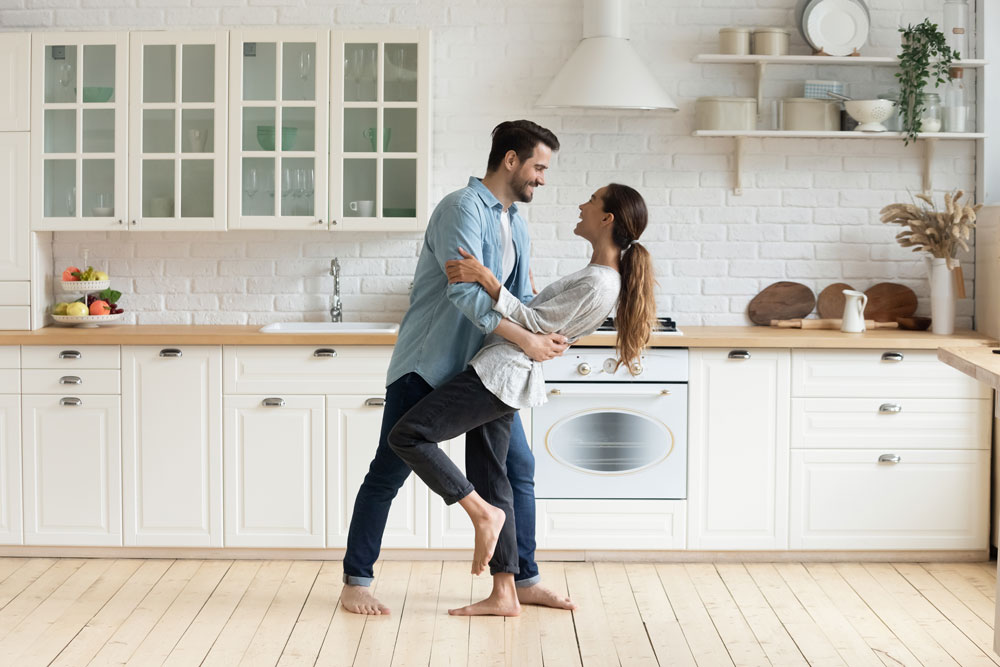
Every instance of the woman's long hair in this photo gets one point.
(636, 312)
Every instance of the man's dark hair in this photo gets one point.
(520, 136)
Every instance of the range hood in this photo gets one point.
(604, 71)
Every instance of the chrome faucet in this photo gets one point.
(336, 310)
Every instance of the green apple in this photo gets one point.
(101, 275)
(60, 308)
(76, 309)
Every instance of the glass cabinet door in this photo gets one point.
(380, 137)
(279, 89)
(79, 102)
(177, 130)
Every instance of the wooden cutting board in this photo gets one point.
(831, 301)
(781, 301)
(887, 301)
(828, 323)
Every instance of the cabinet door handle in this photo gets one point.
(70, 354)
(739, 354)
(273, 402)
(889, 458)
(889, 408)
(171, 352)
(325, 352)
(70, 379)
(70, 400)
(892, 356)
(375, 402)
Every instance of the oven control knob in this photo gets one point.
(610, 365)
(636, 368)
(583, 369)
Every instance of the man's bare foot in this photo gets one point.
(494, 605)
(487, 533)
(359, 600)
(540, 595)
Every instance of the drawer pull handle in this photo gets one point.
(375, 402)
(892, 356)
(889, 408)
(70, 379)
(325, 352)
(171, 352)
(70, 400)
(70, 354)
(739, 354)
(273, 402)
(889, 458)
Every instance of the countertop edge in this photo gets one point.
(976, 362)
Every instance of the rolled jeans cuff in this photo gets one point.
(530, 581)
(358, 581)
(451, 500)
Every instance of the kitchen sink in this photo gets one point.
(331, 327)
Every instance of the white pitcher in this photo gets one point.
(854, 311)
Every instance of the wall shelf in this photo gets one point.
(877, 61)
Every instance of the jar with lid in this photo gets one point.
(955, 112)
(770, 42)
(956, 26)
(734, 41)
(930, 115)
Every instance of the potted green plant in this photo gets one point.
(924, 57)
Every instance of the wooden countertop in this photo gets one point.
(978, 362)
(693, 337)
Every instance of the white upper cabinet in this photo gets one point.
(177, 130)
(279, 116)
(79, 95)
(380, 130)
(14, 235)
(15, 80)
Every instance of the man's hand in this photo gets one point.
(542, 347)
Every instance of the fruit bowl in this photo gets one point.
(870, 114)
(84, 285)
(87, 321)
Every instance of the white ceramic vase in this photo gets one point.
(942, 295)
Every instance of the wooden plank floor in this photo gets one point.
(218, 612)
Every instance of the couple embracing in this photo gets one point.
(468, 356)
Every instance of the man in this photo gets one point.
(442, 330)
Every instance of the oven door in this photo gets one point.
(611, 440)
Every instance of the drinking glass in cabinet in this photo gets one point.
(258, 186)
(356, 125)
(400, 73)
(296, 193)
(196, 130)
(157, 188)
(255, 118)
(60, 131)
(60, 74)
(197, 188)
(399, 188)
(104, 205)
(360, 72)
(298, 72)
(60, 188)
(98, 178)
(99, 131)
(158, 130)
(403, 125)
(359, 186)
(259, 70)
(159, 71)
(198, 73)
(298, 128)
(98, 73)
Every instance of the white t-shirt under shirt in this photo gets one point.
(507, 243)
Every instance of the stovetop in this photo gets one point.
(666, 325)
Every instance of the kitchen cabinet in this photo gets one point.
(738, 449)
(15, 81)
(172, 446)
(273, 451)
(79, 146)
(10, 446)
(177, 130)
(15, 245)
(354, 423)
(610, 524)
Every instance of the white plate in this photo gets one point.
(85, 285)
(838, 27)
(87, 321)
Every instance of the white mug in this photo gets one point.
(364, 208)
(854, 311)
(196, 140)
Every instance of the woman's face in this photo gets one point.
(592, 214)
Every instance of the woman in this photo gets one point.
(501, 379)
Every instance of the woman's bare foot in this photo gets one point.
(501, 602)
(487, 526)
(359, 600)
(545, 597)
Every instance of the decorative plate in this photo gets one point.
(87, 321)
(837, 27)
(85, 285)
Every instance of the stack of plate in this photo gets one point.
(835, 27)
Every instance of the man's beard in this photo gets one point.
(521, 190)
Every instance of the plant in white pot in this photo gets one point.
(940, 234)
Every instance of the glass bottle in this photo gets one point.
(930, 116)
(956, 26)
(956, 110)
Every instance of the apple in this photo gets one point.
(68, 276)
(101, 275)
(77, 309)
(100, 308)
(60, 308)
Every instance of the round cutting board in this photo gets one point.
(781, 301)
(830, 303)
(887, 301)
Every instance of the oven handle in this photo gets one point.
(570, 392)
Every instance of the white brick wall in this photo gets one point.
(809, 211)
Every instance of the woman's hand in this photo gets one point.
(471, 270)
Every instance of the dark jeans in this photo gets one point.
(388, 472)
(463, 405)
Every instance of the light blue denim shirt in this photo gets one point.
(446, 324)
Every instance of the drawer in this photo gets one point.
(301, 369)
(928, 500)
(15, 293)
(878, 373)
(10, 356)
(71, 356)
(66, 383)
(915, 423)
(15, 318)
(10, 381)
(611, 524)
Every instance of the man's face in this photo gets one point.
(530, 174)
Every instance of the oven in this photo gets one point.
(608, 434)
